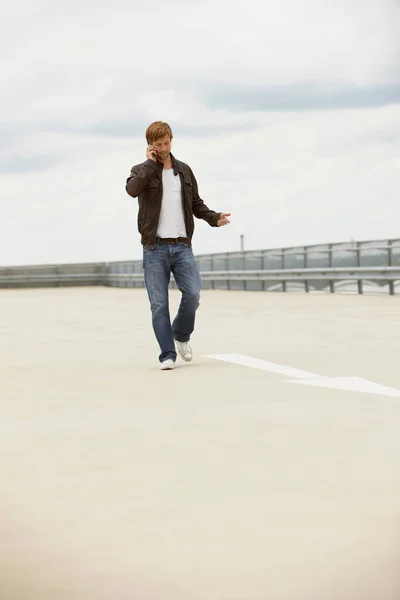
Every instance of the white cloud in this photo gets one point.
(313, 178)
(81, 81)
(99, 57)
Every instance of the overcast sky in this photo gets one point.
(288, 112)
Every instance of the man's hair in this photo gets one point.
(158, 130)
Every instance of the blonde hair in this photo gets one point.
(158, 130)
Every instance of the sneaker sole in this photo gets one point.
(183, 357)
(167, 368)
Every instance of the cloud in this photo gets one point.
(26, 164)
(299, 97)
(288, 112)
(127, 128)
(90, 55)
(306, 178)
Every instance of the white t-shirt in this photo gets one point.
(171, 222)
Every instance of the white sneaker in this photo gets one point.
(167, 365)
(184, 350)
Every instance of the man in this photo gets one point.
(168, 199)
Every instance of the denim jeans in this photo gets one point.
(159, 261)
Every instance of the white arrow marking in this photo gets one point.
(258, 363)
(351, 384)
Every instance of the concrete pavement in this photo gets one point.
(214, 481)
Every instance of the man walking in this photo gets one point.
(168, 197)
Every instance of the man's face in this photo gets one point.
(162, 147)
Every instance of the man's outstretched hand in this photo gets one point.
(223, 219)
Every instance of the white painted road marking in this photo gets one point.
(351, 384)
(258, 363)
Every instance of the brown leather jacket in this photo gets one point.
(145, 183)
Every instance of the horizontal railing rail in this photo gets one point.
(335, 273)
(388, 275)
(52, 279)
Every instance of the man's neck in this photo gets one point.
(167, 163)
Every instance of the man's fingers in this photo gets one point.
(151, 153)
(223, 221)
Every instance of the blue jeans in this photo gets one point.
(159, 261)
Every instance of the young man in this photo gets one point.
(168, 200)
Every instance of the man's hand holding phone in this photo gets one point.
(151, 153)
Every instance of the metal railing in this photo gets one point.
(225, 279)
(361, 267)
(53, 275)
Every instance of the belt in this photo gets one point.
(183, 240)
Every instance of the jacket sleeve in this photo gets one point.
(200, 210)
(139, 177)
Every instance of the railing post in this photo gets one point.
(359, 281)
(390, 262)
(330, 262)
(306, 283)
(244, 265)
(264, 283)
(284, 287)
(228, 283)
